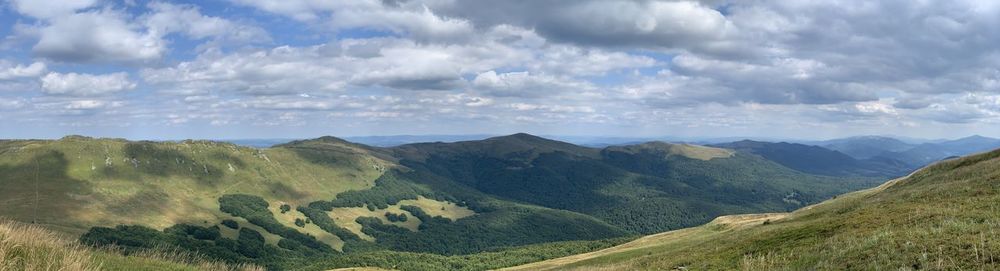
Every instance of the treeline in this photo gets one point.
(249, 247)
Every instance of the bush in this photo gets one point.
(285, 208)
(299, 222)
(231, 224)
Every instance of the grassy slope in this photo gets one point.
(942, 217)
(75, 183)
(28, 247)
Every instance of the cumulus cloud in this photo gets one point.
(9, 71)
(97, 36)
(651, 65)
(165, 18)
(84, 31)
(74, 84)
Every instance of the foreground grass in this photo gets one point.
(26, 247)
(944, 217)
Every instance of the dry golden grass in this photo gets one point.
(700, 152)
(26, 247)
(31, 248)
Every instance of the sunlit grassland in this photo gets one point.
(75, 183)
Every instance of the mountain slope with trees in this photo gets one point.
(941, 217)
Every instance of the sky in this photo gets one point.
(307, 68)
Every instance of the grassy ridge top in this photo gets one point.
(941, 217)
(668, 149)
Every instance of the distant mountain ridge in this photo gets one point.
(819, 160)
(864, 147)
(914, 155)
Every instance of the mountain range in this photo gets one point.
(327, 202)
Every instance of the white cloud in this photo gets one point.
(525, 84)
(422, 24)
(90, 104)
(97, 36)
(103, 34)
(9, 71)
(50, 8)
(166, 18)
(307, 10)
(74, 84)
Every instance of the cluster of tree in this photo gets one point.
(249, 247)
(254, 209)
(230, 223)
(394, 217)
(523, 225)
(389, 189)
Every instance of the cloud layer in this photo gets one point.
(711, 68)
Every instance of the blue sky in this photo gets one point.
(306, 68)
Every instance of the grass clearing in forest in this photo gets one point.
(345, 217)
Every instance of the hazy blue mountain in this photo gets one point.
(927, 153)
(864, 147)
(819, 160)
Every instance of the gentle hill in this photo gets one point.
(864, 147)
(941, 217)
(520, 147)
(77, 182)
(819, 160)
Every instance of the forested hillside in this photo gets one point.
(940, 218)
